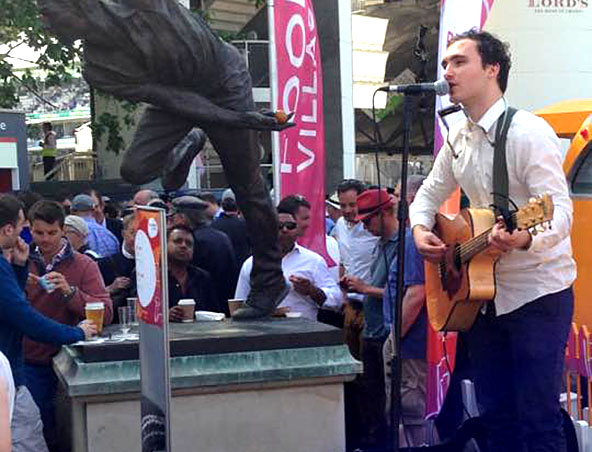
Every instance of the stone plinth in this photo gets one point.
(256, 386)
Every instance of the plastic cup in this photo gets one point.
(95, 312)
(131, 303)
(234, 304)
(188, 306)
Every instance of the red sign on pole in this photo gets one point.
(152, 309)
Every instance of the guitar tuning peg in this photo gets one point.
(549, 224)
(533, 231)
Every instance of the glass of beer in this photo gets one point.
(95, 312)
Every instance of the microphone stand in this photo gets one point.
(396, 324)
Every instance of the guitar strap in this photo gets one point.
(500, 168)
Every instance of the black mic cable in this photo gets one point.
(442, 113)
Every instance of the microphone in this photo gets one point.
(440, 87)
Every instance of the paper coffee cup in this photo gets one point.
(234, 304)
(95, 312)
(188, 306)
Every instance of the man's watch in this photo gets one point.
(68, 296)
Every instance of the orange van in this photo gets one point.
(573, 119)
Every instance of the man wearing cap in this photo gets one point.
(61, 282)
(100, 239)
(355, 246)
(376, 210)
(143, 197)
(413, 333)
(76, 231)
(212, 248)
(333, 212)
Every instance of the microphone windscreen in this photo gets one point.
(441, 87)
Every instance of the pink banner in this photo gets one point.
(300, 90)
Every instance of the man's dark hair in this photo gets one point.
(286, 211)
(48, 211)
(179, 227)
(208, 197)
(10, 207)
(351, 184)
(492, 51)
(61, 196)
(229, 205)
(28, 198)
(290, 204)
(49, 125)
(111, 209)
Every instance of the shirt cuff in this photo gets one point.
(422, 219)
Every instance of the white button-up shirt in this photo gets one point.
(534, 167)
(306, 264)
(356, 246)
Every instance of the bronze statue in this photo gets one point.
(158, 52)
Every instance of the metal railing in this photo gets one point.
(68, 167)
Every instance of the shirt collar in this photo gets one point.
(491, 115)
(126, 254)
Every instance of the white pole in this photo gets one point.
(347, 94)
(273, 89)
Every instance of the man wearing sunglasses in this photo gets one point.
(311, 284)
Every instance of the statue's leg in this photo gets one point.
(178, 163)
(157, 134)
(239, 152)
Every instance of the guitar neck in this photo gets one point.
(474, 246)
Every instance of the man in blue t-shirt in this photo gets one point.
(413, 341)
(413, 334)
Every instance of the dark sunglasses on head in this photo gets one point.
(290, 225)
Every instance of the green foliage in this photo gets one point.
(20, 24)
(112, 123)
(391, 105)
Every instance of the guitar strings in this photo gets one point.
(466, 250)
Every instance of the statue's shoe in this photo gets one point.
(261, 304)
(178, 163)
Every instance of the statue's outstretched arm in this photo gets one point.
(192, 106)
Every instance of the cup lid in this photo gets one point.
(95, 305)
(186, 301)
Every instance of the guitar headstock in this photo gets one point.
(538, 211)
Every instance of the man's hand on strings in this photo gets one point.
(428, 244)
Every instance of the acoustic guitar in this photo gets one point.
(458, 285)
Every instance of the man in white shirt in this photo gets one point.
(356, 245)
(517, 345)
(311, 284)
(299, 207)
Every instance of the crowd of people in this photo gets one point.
(80, 249)
(57, 256)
